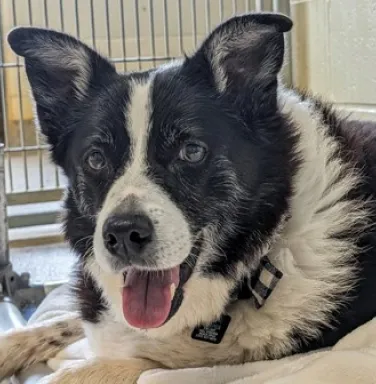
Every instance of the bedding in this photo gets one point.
(351, 360)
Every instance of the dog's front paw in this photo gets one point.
(23, 347)
(101, 372)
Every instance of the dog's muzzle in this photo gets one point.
(150, 295)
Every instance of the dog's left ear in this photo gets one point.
(246, 50)
(64, 74)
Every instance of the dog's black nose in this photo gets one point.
(127, 235)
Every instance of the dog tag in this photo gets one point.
(212, 333)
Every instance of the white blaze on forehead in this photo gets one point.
(138, 124)
(172, 233)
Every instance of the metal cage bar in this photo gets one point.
(135, 35)
(4, 251)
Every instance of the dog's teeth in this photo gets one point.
(172, 289)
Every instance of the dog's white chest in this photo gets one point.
(113, 340)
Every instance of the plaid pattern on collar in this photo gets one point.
(261, 284)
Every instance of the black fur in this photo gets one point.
(89, 297)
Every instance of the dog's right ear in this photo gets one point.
(245, 52)
(62, 72)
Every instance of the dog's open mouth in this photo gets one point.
(150, 298)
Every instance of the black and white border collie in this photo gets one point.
(218, 217)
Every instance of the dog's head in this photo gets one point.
(178, 176)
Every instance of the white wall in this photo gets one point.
(335, 51)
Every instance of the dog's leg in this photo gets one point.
(97, 371)
(21, 348)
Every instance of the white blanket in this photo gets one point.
(352, 360)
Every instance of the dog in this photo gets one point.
(218, 216)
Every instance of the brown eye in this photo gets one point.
(96, 161)
(193, 153)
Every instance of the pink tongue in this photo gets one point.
(147, 296)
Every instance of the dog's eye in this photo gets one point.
(96, 160)
(192, 152)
